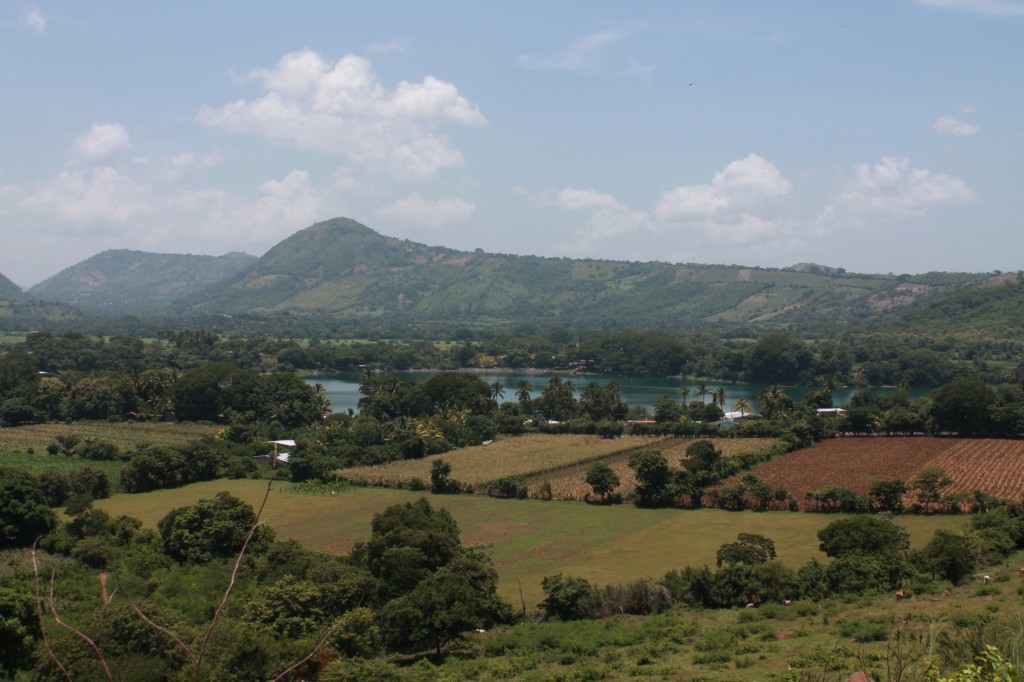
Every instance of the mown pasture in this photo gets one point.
(528, 539)
(520, 456)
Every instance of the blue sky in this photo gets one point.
(879, 136)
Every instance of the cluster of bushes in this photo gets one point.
(412, 586)
(868, 553)
(152, 467)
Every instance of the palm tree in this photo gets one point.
(742, 405)
(718, 397)
(702, 389)
(523, 390)
(497, 391)
(685, 392)
(829, 385)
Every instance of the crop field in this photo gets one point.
(520, 456)
(37, 462)
(992, 466)
(528, 539)
(569, 482)
(122, 434)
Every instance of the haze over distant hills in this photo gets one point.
(122, 281)
(9, 291)
(341, 269)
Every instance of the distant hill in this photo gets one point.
(122, 281)
(342, 269)
(9, 291)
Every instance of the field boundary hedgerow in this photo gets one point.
(570, 484)
(517, 457)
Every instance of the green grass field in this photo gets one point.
(37, 462)
(528, 539)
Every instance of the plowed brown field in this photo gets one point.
(991, 466)
(856, 463)
(995, 467)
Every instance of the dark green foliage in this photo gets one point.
(887, 496)
(749, 549)
(653, 477)
(197, 395)
(947, 555)
(873, 535)
(569, 597)
(212, 529)
(440, 478)
(457, 597)
(777, 358)
(962, 407)
(602, 479)
(18, 627)
(24, 514)
(835, 499)
(408, 543)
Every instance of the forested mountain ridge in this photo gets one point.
(343, 269)
(9, 291)
(123, 281)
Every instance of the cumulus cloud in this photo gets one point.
(990, 7)
(890, 191)
(342, 109)
(414, 210)
(949, 125)
(35, 20)
(585, 199)
(85, 198)
(102, 140)
(742, 203)
(281, 206)
(585, 55)
(744, 187)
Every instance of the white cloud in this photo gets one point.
(585, 199)
(742, 203)
(342, 109)
(949, 125)
(102, 140)
(35, 20)
(283, 204)
(743, 187)
(587, 55)
(86, 198)
(413, 210)
(888, 192)
(990, 7)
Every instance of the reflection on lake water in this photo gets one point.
(343, 389)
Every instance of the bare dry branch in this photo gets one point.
(39, 613)
(312, 652)
(234, 575)
(77, 632)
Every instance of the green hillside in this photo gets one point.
(123, 281)
(342, 269)
(9, 291)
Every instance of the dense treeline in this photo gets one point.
(852, 358)
(412, 586)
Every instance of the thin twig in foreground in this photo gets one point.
(80, 634)
(234, 575)
(39, 613)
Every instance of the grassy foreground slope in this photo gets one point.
(529, 539)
